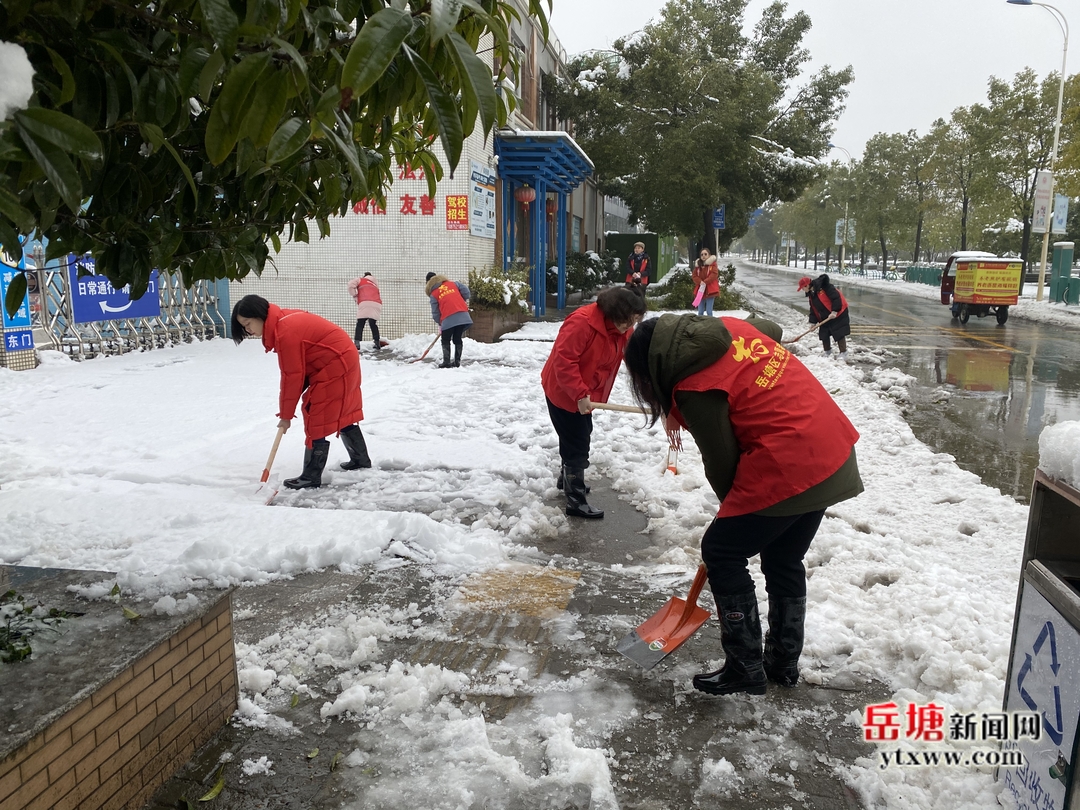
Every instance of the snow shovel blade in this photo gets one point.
(666, 630)
(270, 488)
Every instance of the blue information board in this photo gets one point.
(93, 298)
(22, 315)
(719, 217)
(19, 340)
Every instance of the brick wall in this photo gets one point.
(115, 748)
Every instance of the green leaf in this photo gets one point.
(375, 48)
(67, 86)
(217, 788)
(444, 16)
(133, 83)
(296, 696)
(155, 136)
(444, 107)
(130, 614)
(334, 762)
(62, 130)
(267, 107)
(192, 62)
(287, 141)
(476, 78)
(208, 75)
(115, 590)
(16, 292)
(58, 168)
(11, 208)
(292, 52)
(222, 23)
(231, 107)
(314, 752)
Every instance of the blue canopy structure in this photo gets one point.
(549, 162)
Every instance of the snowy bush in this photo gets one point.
(503, 291)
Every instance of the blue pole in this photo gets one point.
(539, 256)
(508, 223)
(560, 241)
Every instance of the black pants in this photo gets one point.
(575, 435)
(359, 336)
(454, 333)
(781, 541)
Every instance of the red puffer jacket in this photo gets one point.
(584, 360)
(319, 364)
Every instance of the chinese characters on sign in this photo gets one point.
(22, 314)
(457, 212)
(93, 297)
(481, 200)
(882, 723)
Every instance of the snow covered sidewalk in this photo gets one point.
(147, 464)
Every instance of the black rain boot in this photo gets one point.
(457, 356)
(375, 336)
(446, 357)
(314, 462)
(561, 483)
(576, 505)
(354, 442)
(740, 636)
(784, 642)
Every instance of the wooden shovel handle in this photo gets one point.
(800, 337)
(273, 452)
(608, 406)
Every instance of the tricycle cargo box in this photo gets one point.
(987, 281)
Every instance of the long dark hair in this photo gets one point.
(250, 306)
(620, 305)
(637, 364)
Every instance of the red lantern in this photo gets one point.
(552, 207)
(525, 195)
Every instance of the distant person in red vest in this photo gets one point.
(579, 371)
(319, 368)
(777, 452)
(638, 266)
(829, 308)
(365, 292)
(450, 310)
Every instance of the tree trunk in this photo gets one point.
(1025, 244)
(709, 239)
(963, 223)
(884, 250)
(918, 238)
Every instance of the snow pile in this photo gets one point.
(1059, 452)
(16, 79)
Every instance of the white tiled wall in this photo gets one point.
(398, 249)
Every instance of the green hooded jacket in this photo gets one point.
(686, 344)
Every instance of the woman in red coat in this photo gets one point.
(320, 368)
(579, 371)
(706, 273)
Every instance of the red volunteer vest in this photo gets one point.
(367, 290)
(823, 297)
(450, 300)
(791, 434)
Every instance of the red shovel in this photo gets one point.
(428, 349)
(668, 628)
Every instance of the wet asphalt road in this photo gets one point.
(983, 392)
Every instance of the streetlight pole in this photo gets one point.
(1063, 24)
(843, 244)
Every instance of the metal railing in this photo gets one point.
(187, 314)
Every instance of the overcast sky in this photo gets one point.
(914, 61)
